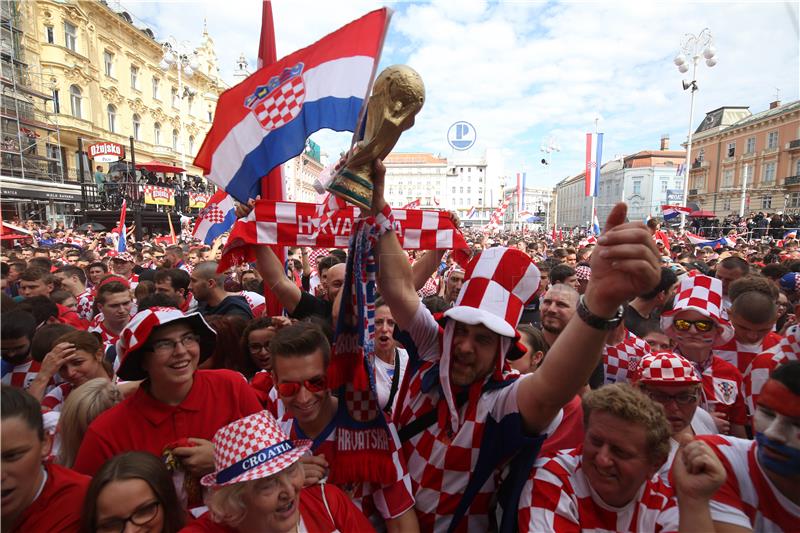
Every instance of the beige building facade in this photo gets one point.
(733, 149)
(104, 76)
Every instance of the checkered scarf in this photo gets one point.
(351, 369)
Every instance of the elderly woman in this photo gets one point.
(258, 485)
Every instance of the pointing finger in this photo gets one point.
(616, 216)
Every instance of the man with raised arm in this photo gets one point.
(461, 414)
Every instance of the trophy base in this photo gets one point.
(352, 188)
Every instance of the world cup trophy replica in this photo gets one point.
(397, 97)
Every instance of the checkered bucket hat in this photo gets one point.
(136, 334)
(253, 447)
(703, 294)
(498, 283)
(666, 368)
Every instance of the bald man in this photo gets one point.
(208, 288)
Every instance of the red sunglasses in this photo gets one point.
(290, 388)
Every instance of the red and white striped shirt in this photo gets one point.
(620, 362)
(21, 375)
(762, 366)
(558, 497)
(741, 355)
(748, 498)
(389, 501)
(54, 400)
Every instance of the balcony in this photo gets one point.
(793, 145)
(792, 180)
(694, 192)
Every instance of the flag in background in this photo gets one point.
(216, 218)
(595, 224)
(171, 229)
(413, 204)
(265, 120)
(122, 242)
(672, 211)
(681, 169)
(524, 178)
(519, 193)
(472, 211)
(594, 158)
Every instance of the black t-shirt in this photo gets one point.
(230, 305)
(310, 305)
(636, 323)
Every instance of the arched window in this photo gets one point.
(137, 123)
(157, 133)
(191, 144)
(175, 140)
(75, 100)
(112, 118)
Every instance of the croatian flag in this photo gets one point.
(672, 211)
(681, 170)
(697, 240)
(216, 218)
(122, 241)
(471, 212)
(594, 158)
(265, 120)
(595, 222)
(791, 234)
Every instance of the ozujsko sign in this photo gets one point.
(106, 152)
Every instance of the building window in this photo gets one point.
(699, 183)
(726, 204)
(747, 173)
(174, 97)
(56, 102)
(766, 202)
(701, 154)
(175, 140)
(135, 78)
(664, 185)
(769, 172)
(794, 200)
(731, 149)
(112, 118)
(157, 133)
(751, 145)
(637, 187)
(727, 178)
(191, 144)
(75, 100)
(796, 164)
(51, 35)
(156, 87)
(108, 63)
(71, 36)
(772, 140)
(210, 116)
(190, 102)
(137, 123)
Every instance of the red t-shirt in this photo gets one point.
(343, 515)
(142, 423)
(569, 433)
(63, 492)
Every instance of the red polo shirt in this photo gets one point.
(64, 491)
(142, 423)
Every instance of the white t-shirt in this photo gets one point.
(384, 373)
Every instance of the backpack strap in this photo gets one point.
(395, 383)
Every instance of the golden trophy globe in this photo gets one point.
(397, 97)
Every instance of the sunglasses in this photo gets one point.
(290, 388)
(702, 326)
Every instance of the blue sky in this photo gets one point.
(522, 72)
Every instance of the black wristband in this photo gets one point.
(595, 321)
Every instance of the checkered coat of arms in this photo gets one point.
(278, 102)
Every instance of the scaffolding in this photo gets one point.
(31, 142)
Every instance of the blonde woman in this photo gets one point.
(82, 406)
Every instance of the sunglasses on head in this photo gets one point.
(290, 388)
(702, 326)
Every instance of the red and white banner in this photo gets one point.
(106, 152)
(412, 204)
(198, 200)
(298, 224)
(159, 195)
(496, 220)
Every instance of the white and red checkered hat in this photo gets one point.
(666, 368)
(583, 272)
(120, 256)
(497, 285)
(703, 294)
(253, 447)
(136, 334)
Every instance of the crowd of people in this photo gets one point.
(630, 381)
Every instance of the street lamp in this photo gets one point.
(548, 146)
(185, 60)
(692, 48)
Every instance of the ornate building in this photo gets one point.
(103, 80)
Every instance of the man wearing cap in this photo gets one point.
(461, 414)
(608, 483)
(696, 323)
(762, 489)
(671, 380)
(122, 265)
(176, 402)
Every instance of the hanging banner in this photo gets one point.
(198, 200)
(159, 195)
(106, 152)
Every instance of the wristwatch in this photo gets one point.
(597, 322)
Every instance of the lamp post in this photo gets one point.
(548, 146)
(184, 59)
(692, 48)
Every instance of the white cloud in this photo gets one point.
(523, 71)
